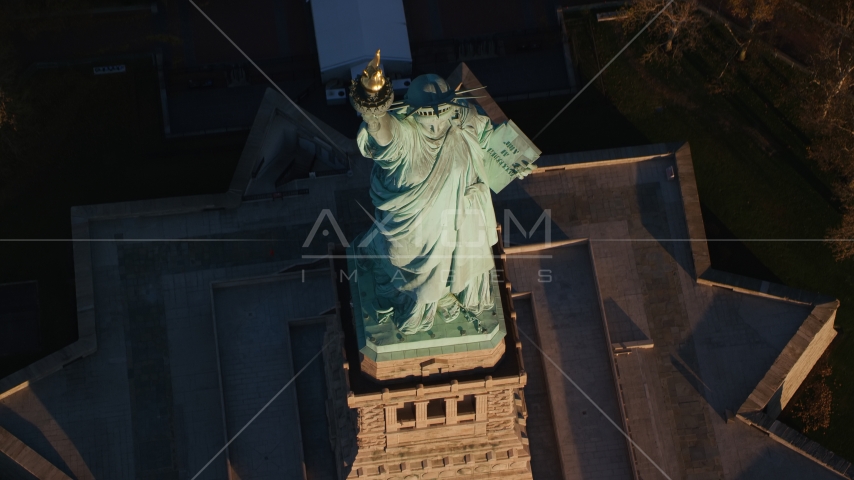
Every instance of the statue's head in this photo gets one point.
(433, 103)
(435, 126)
(429, 100)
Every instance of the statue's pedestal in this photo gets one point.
(409, 413)
(458, 345)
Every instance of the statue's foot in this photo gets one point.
(384, 316)
(419, 320)
(449, 308)
(470, 315)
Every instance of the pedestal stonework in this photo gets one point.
(454, 346)
(436, 365)
(428, 416)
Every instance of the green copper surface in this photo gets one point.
(425, 268)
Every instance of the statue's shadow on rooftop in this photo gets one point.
(521, 218)
(617, 316)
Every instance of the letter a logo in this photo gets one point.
(326, 213)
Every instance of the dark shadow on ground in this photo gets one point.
(113, 152)
(781, 150)
(732, 255)
(52, 265)
(590, 123)
(13, 471)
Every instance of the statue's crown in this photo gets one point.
(430, 94)
(428, 90)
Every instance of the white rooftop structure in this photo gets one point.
(349, 32)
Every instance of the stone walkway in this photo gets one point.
(255, 346)
(545, 449)
(571, 332)
(306, 341)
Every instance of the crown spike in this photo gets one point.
(471, 90)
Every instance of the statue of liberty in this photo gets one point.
(429, 252)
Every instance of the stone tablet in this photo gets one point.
(507, 152)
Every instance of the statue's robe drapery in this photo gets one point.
(435, 224)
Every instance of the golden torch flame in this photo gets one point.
(372, 77)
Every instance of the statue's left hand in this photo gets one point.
(525, 170)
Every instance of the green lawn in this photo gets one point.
(98, 139)
(751, 167)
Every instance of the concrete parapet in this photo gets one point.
(691, 207)
(794, 363)
(799, 443)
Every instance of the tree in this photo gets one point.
(677, 29)
(829, 113)
(22, 137)
(839, 238)
(814, 404)
(32, 17)
(9, 132)
(756, 12)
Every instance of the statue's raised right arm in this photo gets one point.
(379, 128)
(371, 95)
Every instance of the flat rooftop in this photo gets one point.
(683, 353)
